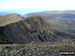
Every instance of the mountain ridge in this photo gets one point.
(10, 18)
(30, 29)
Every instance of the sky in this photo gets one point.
(38, 5)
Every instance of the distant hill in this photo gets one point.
(55, 14)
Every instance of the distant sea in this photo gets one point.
(19, 11)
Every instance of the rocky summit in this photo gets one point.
(31, 29)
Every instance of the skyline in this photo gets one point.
(38, 4)
(31, 6)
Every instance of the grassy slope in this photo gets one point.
(61, 24)
(11, 18)
(5, 20)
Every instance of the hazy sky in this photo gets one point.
(38, 4)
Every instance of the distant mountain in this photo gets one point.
(55, 14)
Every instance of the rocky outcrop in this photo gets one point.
(46, 49)
(24, 50)
(30, 29)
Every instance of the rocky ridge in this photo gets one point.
(34, 29)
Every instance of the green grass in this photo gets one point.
(61, 26)
(73, 28)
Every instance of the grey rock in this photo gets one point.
(30, 29)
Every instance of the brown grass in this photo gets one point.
(11, 18)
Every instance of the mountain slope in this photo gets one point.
(30, 29)
(10, 18)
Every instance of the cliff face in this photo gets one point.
(30, 29)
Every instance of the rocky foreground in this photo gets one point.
(38, 49)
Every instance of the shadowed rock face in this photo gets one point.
(30, 29)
